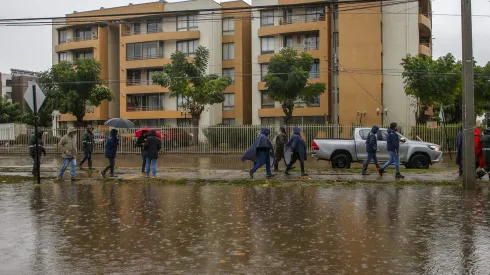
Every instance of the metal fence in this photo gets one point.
(222, 139)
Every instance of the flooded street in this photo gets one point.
(209, 229)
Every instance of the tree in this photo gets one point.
(74, 86)
(287, 80)
(9, 112)
(431, 81)
(188, 80)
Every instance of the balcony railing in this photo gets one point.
(145, 56)
(78, 39)
(148, 31)
(307, 47)
(139, 82)
(301, 19)
(144, 108)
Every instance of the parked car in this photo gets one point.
(342, 152)
(176, 137)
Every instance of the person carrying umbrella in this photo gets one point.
(68, 145)
(140, 142)
(88, 147)
(110, 152)
(297, 148)
(261, 152)
(32, 149)
(152, 146)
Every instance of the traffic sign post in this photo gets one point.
(34, 97)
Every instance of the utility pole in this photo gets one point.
(334, 61)
(36, 134)
(469, 177)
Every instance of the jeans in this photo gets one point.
(370, 156)
(73, 162)
(262, 158)
(153, 163)
(394, 158)
(143, 165)
(294, 158)
(87, 157)
(112, 163)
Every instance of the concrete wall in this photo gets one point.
(114, 68)
(400, 37)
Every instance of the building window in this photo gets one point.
(145, 102)
(315, 14)
(8, 82)
(228, 51)
(84, 54)
(266, 18)
(268, 120)
(184, 122)
(264, 69)
(133, 77)
(62, 56)
(144, 50)
(154, 27)
(309, 120)
(229, 103)
(315, 102)
(228, 121)
(265, 101)
(312, 42)
(83, 34)
(181, 101)
(150, 123)
(288, 41)
(230, 72)
(62, 36)
(228, 26)
(186, 22)
(136, 28)
(315, 69)
(188, 47)
(267, 45)
(149, 75)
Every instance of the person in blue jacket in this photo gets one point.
(261, 152)
(372, 149)
(296, 147)
(110, 152)
(393, 146)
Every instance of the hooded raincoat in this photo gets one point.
(296, 145)
(261, 143)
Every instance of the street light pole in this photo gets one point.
(469, 177)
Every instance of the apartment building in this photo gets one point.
(131, 48)
(372, 43)
(6, 86)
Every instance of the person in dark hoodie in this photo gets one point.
(140, 142)
(296, 147)
(459, 147)
(110, 152)
(32, 149)
(88, 147)
(152, 146)
(280, 140)
(393, 146)
(261, 152)
(371, 149)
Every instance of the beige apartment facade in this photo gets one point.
(132, 48)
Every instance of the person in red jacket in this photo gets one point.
(478, 149)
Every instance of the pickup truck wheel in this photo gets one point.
(420, 162)
(341, 162)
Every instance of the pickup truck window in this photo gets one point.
(364, 133)
(382, 135)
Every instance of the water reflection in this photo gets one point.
(156, 229)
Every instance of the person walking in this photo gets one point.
(32, 149)
(479, 162)
(261, 153)
(393, 146)
(88, 147)
(297, 148)
(140, 142)
(485, 146)
(110, 152)
(68, 145)
(372, 149)
(280, 140)
(459, 147)
(152, 146)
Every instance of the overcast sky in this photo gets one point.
(29, 48)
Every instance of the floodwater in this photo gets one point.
(195, 229)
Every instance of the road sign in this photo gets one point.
(28, 96)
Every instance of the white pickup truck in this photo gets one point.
(342, 152)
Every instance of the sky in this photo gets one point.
(29, 48)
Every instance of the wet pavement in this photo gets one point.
(207, 229)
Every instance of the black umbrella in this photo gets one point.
(119, 123)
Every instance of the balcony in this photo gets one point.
(133, 108)
(425, 48)
(129, 36)
(74, 43)
(304, 48)
(425, 24)
(147, 31)
(144, 57)
(287, 20)
(294, 24)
